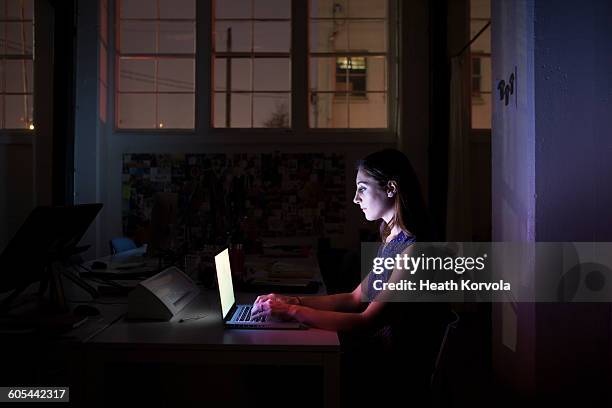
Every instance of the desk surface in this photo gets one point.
(209, 333)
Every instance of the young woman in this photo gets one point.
(377, 337)
(387, 189)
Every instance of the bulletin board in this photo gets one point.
(266, 194)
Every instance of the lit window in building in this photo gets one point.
(480, 15)
(351, 76)
(252, 64)
(156, 45)
(348, 57)
(16, 67)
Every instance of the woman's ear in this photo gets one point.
(391, 188)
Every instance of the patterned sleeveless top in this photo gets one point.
(394, 247)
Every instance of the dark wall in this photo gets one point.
(573, 98)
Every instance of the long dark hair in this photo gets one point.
(410, 211)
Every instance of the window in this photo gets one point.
(252, 63)
(16, 68)
(348, 64)
(343, 85)
(156, 64)
(480, 50)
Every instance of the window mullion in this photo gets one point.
(204, 67)
(299, 67)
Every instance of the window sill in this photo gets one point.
(258, 137)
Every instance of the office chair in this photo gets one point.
(121, 244)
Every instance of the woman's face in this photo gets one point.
(373, 199)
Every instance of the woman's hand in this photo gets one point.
(291, 300)
(272, 309)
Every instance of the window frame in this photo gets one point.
(299, 129)
(6, 132)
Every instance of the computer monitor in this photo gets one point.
(49, 234)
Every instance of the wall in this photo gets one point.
(573, 100)
(513, 181)
(549, 184)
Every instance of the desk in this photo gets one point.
(205, 341)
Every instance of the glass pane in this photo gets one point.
(177, 38)
(241, 74)
(136, 75)
(176, 111)
(328, 36)
(18, 9)
(368, 8)
(15, 35)
(368, 112)
(328, 110)
(482, 43)
(18, 111)
(18, 77)
(272, 36)
(136, 111)
(138, 9)
(272, 74)
(328, 8)
(219, 110)
(323, 74)
(272, 8)
(176, 75)
(481, 111)
(367, 36)
(480, 9)
(240, 36)
(177, 9)
(271, 110)
(485, 74)
(376, 74)
(137, 37)
(233, 8)
(240, 113)
(219, 70)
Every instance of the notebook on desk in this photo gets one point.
(239, 316)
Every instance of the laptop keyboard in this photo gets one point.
(245, 315)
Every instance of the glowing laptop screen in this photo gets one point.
(224, 280)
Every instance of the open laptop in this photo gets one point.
(239, 316)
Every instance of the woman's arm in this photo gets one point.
(341, 302)
(338, 321)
